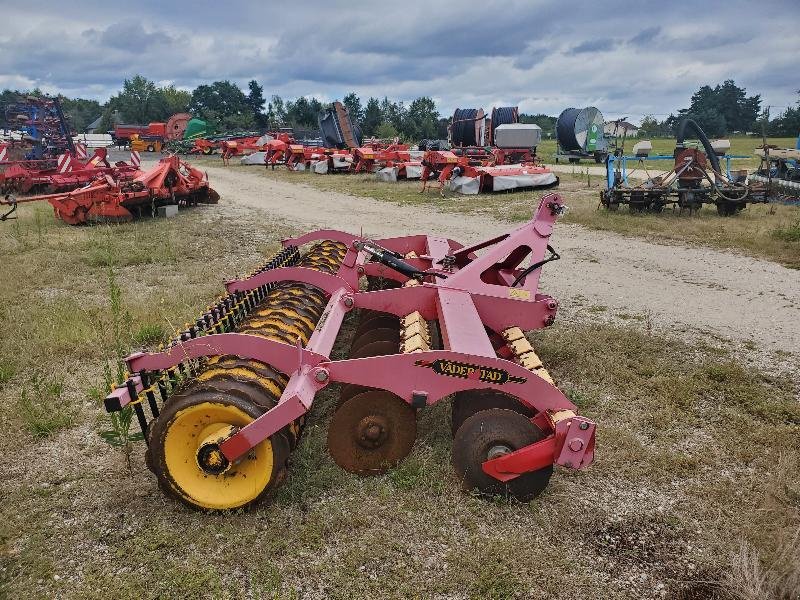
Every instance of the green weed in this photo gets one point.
(149, 334)
(791, 233)
(41, 407)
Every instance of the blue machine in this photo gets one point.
(613, 162)
(42, 123)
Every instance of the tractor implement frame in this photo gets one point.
(468, 294)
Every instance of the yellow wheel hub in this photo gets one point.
(191, 439)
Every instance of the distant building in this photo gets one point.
(621, 128)
(92, 127)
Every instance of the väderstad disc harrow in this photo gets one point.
(223, 405)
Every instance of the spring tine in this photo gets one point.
(151, 397)
(137, 407)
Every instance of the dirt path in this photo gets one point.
(754, 303)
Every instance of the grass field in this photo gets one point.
(740, 145)
(694, 493)
(769, 231)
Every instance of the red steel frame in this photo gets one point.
(476, 292)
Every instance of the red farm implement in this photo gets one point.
(116, 199)
(472, 173)
(222, 406)
(62, 174)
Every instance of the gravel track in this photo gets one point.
(689, 289)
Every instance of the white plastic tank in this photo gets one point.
(517, 135)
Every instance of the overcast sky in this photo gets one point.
(626, 58)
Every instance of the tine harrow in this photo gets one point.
(224, 403)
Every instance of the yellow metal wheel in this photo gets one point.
(184, 456)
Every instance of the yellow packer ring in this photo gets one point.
(188, 431)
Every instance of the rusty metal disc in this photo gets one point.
(372, 432)
(376, 321)
(381, 334)
(379, 348)
(348, 391)
(467, 403)
(489, 434)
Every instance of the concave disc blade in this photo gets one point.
(372, 432)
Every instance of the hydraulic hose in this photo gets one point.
(712, 156)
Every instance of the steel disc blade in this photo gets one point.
(467, 403)
(490, 433)
(380, 348)
(377, 321)
(372, 432)
(382, 334)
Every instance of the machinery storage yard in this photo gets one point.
(449, 346)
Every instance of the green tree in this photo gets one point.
(255, 98)
(546, 122)
(725, 108)
(652, 127)
(316, 108)
(421, 121)
(353, 105)
(276, 112)
(80, 112)
(386, 131)
(223, 105)
(393, 113)
(372, 117)
(787, 124)
(139, 101)
(175, 100)
(303, 112)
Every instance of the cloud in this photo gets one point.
(645, 36)
(627, 59)
(599, 45)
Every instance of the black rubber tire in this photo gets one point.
(151, 148)
(157, 434)
(467, 403)
(485, 430)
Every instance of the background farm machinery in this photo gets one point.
(61, 174)
(126, 193)
(472, 173)
(223, 404)
(580, 135)
(44, 131)
(779, 171)
(696, 178)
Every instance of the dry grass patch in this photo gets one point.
(696, 456)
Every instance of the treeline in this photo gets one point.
(720, 110)
(226, 107)
(723, 110)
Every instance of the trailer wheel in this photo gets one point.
(185, 457)
(151, 148)
(489, 434)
